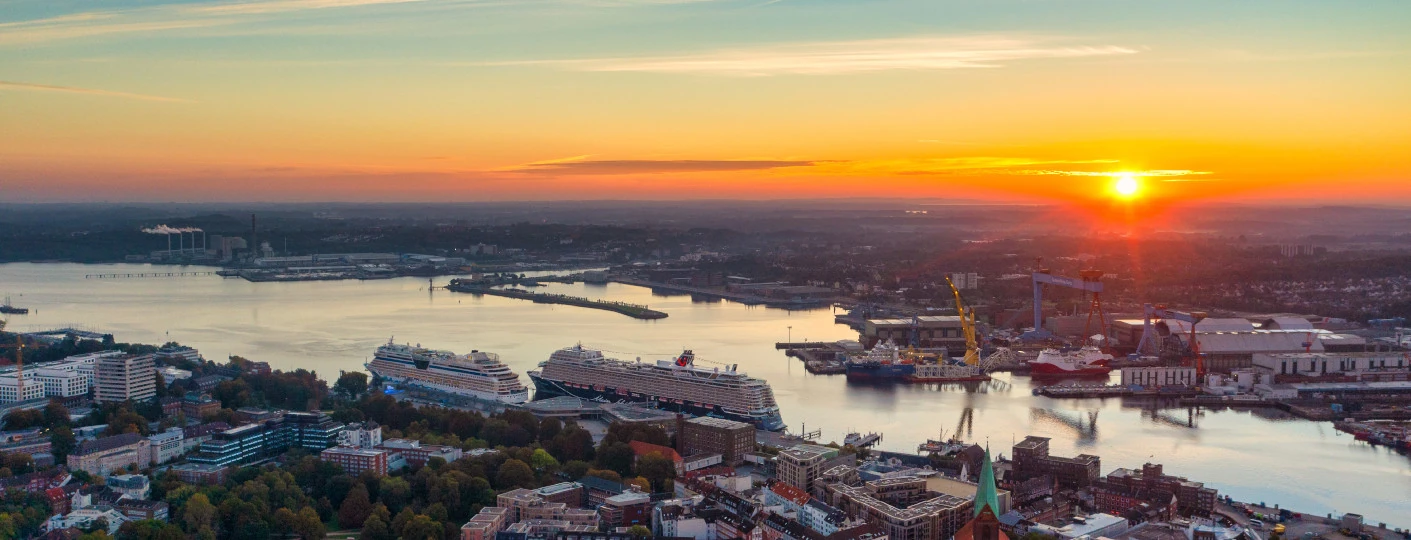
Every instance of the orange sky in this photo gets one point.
(561, 99)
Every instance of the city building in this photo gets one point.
(199, 473)
(137, 509)
(1031, 459)
(108, 454)
(812, 513)
(85, 518)
(486, 524)
(267, 438)
(167, 445)
(1151, 485)
(198, 406)
(171, 374)
(60, 383)
(415, 454)
(1092, 526)
(361, 435)
(625, 510)
(708, 435)
(902, 508)
(802, 465)
(123, 378)
(677, 518)
(11, 389)
(133, 486)
(357, 460)
(177, 353)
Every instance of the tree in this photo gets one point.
(376, 528)
(657, 469)
(351, 384)
(421, 528)
(308, 526)
(284, 520)
(543, 462)
(639, 531)
(355, 509)
(394, 492)
(641, 483)
(576, 469)
(199, 513)
(514, 473)
(56, 414)
(617, 457)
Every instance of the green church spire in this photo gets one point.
(986, 494)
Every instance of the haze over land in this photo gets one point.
(382, 100)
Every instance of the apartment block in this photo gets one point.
(707, 435)
(126, 377)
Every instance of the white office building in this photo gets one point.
(167, 445)
(61, 383)
(10, 389)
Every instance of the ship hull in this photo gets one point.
(866, 372)
(517, 397)
(546, 388)
(1050, 369)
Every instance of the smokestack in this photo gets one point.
(254, 239)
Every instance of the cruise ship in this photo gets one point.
(675, 384)
(479, 374)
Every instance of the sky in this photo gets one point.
(469, 100)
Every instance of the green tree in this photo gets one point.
(351, 384)
(576, 469)
(514, 473)
(403, 517)
(376, 528)
(617, 457)
(308, 526)
(394, 492)
(639, 531)
(543, 462)
(422, 528)
(355, 509)
(199, 513)
(657, 469)
(284, 520)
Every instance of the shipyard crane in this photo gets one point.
(967, 326)
(1147, 345)
(1088, 281)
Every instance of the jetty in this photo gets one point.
(636, 311)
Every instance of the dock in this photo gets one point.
(636, 311)
(147, 275)
(1106, 391)
(819, 357)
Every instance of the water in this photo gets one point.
(333, 326)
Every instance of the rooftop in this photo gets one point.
(722, 423)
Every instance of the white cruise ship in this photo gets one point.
(675, 384)
(479, 374)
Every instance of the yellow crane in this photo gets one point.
(967, 326)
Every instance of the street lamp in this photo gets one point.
(791, 334)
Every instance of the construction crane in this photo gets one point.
(1088, 281)
(967, 326)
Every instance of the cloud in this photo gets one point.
(162, 17)
(581, 165)
(836, 57)
(6, 85)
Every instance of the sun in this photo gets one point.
(1127, 186)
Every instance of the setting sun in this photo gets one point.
(1126, 186)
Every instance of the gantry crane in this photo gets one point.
(1088, 281)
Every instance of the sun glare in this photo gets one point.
(1126, 186)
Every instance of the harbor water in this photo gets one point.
(332, 326)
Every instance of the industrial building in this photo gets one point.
(929, 332)
(1372, 365)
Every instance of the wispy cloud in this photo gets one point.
(582, 165)
(162, 17)
(6, 85)
(835, 57)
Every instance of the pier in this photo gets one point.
(148, 275)
(636, 311)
